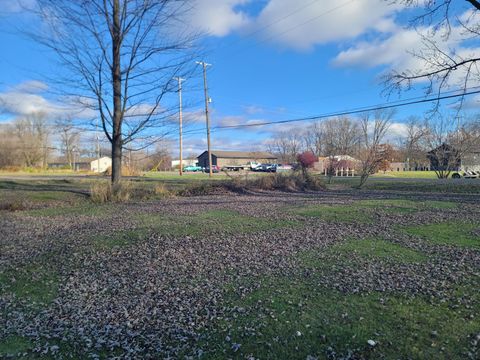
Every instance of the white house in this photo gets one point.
(101, 165)
(185, 162)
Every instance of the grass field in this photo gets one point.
(407, 174)
(339, 274)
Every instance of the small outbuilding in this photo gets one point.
(101, 165)
(236, 158)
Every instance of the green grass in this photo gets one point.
(86, 210)
(335, 213)
(378, 249)
(447, 233)
(410, 185)
(362, 211)
(214, 221)
(119, 238)
(397, 205)
(408, 174)
(331, 322)
(37, 283)
(14, 345)
(221, 221)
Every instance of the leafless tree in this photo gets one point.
(450, 142)
(32, 137)
(121, 56)
(313, 138)
(286, 145)
(372, 153)
(69, 137)
(10, 152)
(413, 145)
(442, 66)
(336, 136)
(342, 136)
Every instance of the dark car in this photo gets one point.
(215, 169)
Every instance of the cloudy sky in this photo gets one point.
(272, 60)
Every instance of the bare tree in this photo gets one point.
(449, 143)
(32, 138)
(286, 145)
(414, 143)
(374, 127)
(10, 152)
(314, 138)
(342, 136)
(121, 56)
(442, 66)
(69, 137)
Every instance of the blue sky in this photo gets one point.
(271, 60)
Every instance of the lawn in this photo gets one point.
(270, 276)
(407, 174)
(419, 185)
(363, 211)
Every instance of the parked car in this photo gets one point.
(285, 167)
(267, 168)
(193, 168)
(215, 169)
(466, 175)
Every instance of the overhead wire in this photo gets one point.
(384, 106)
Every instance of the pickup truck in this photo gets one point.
(252, 165)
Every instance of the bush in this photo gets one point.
(296, 181)
(282, 182)
(126, 171)
(161, 190)
(13, 205)
(103, 191)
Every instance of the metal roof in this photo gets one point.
(241, 154)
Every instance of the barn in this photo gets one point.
(231, 158)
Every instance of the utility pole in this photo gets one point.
(204, 64)
(179, 79)
(98, 148)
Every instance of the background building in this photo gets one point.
(101, 165)
(230, 158)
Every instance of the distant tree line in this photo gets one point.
(368, 138)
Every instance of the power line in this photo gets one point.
(384, 106)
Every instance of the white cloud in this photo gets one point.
(397, 130)
(29, 97)
(22, 103)
(195, 116)
(231, 121)
(395, 50)
(32, 87)
(253, 109)
(218, 17)
(302, 24)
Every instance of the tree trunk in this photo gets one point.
(117, 97)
